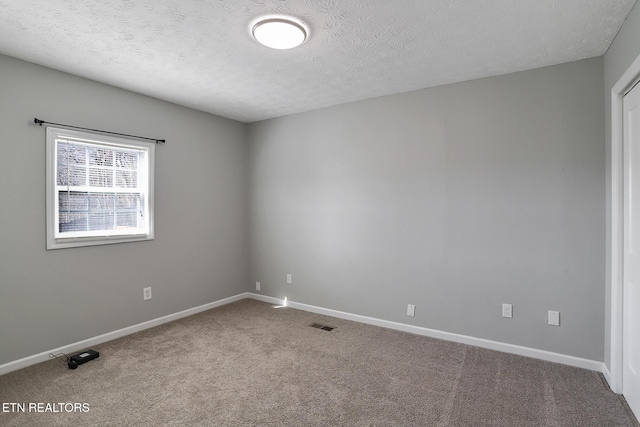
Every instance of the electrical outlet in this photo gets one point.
(507, 310)
(553, 318)
(289, 279)
(411, 310)
(257, 286)
(146, 293)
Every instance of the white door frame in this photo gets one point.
(617, 238)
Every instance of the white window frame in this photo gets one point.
(59, 240)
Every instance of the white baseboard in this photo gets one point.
(418, 330)
(265, 298)
(607, 375)
(564, 359)
(80, 345)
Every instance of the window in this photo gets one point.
(99, 189)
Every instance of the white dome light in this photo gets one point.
(279, 33)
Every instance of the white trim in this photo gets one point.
(56, 239)
(80, 345)
(265, 298)
(418, 330)
(564, 359)
(615, 344)
(606, 374)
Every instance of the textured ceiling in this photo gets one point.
(199, 53)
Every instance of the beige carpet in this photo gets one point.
(250, 364)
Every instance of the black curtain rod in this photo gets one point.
(41, 122)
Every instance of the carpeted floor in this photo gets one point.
(250, 364)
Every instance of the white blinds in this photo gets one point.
(101, 189)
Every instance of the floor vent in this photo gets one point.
(323, 327)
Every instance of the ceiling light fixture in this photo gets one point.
(279, 33)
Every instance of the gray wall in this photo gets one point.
(456, 199)
(53, 298)
(622, 52)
